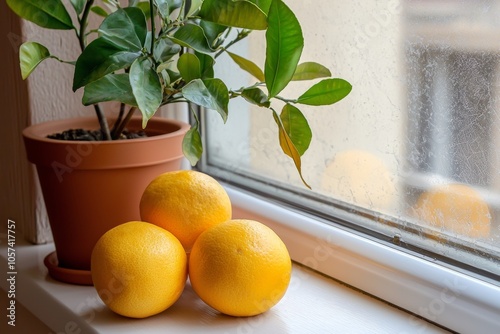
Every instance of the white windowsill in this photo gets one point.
(312, 304)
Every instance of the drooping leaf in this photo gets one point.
(112, 87)
(165, 49)
(326, 92)
(247, 66)
(206, 65)
(288, 147)
(47, 14)
(189, 67)
(30, 55)
(126, 28)
(78, 5)
(213, 31)
(192, 146)
(208, 93)
(297, 128)
(284, 44)
(192, 36)
(240, 13)
(310, 71)
(146, 87)
(256, 96)
(99, 58)
(99, 11)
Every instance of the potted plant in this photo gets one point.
(146, 54)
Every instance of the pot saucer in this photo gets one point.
(73, 276)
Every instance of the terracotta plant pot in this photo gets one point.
(90, 187)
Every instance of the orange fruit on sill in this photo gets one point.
(456, 208)
(186, 203)
(138, 269)
(240, 267)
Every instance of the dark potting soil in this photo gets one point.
(93, 135)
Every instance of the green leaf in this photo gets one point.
(284, 44)
(30, 55)
(213, 31)
(163, 7)
(310, 70)
(189, 67)
(288, 147)
(297, 128)
(192, 36)
(263, 4)
(192, 146)
(326, 92)
(78, 5)
(99, 58)
(126, 28)
(146, 9)
(208, 93)
(195, 6)
(239, 13)
(165, 49)
(146, 87)
(112, 87)
(247, 66)
(99, 11)
(47, 14)
(206, 65)
(256, 96)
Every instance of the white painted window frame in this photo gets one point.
(427, 289)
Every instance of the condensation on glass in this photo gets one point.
(417, 142)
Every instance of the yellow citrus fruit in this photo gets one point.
(138, 269)
(457, 208)
(240, 267)
(185, 203)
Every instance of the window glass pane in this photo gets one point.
(415, 146)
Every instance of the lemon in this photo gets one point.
(138, 269)
(185, 203)
(240, 267)
(456, 208)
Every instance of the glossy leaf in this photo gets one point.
(209, 93)
(310, 71)
(189, 67)
(126, 28)
(99, 11)
(146, 87)
(165, 49)
(240, 13)
(192, 36)
(78, 5)
(326, 92)
(288, 147)
(112, 87)
(297, 128)
(47, 14)
(146, 9)
(247, 66)
(256, 96)
(30, 55)
(192, 146)
(163, 7)
(99, 58)
(284, 44)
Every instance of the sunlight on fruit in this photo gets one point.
(361, 178)
(455, 208)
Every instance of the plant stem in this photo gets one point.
(241, 35)
(82, 38)
(114, 131)
(124, 123)
(151, 9)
